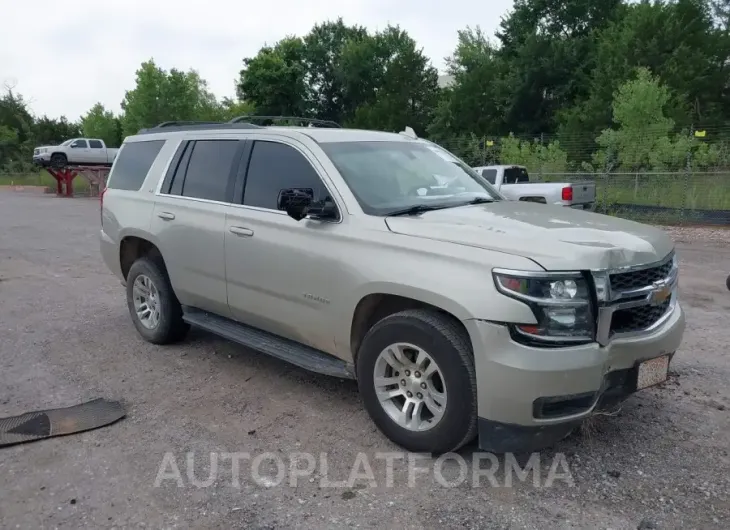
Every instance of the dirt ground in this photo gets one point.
(66, 337)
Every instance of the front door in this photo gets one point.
(282, 275)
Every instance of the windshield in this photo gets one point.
(386, 177)
(68, 142)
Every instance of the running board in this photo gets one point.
(270, 344)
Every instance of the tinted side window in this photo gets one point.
(132, 164)
(95, 144)
(79, 143)
(490, 175)
(515, 175)
(209, 169)
(276, 166)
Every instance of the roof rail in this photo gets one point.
(311, 121)
(178, 126)
(184, 122)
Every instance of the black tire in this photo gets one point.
(449, 345)
(58, 160)
(171, 327)
(727, 282)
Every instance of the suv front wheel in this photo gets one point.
(153, 306)
(416, 376)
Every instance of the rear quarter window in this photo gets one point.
(515, 175)
(490, 175)
(133, 163)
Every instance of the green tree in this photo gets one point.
(643, 128)
(403, 88)
(101, 123)
(274, 80)
(535, 156)
(16, 132)
(549, 49)
(676, 41)
(473, 103)
(49, 131)
(327, 73)
(160, 96)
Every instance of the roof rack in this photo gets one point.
(176, 126)
(185, 122)
(310, 121)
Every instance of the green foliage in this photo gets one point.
(101, 123)
(535, 156)
(162, 96)
(605, 86)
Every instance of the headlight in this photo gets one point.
(561, 303)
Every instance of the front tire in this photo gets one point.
(58, 160)
(416, 377)
(152, 304)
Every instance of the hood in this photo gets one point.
(556, 237)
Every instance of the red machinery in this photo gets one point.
(95, 175)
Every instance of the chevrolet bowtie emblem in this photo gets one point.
(661, 292)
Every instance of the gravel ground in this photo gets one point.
(65, 336)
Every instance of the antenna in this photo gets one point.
(409, 132)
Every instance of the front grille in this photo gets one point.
(625, 281)
(638, 318)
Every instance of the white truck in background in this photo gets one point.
(75, 152)
(514, 183)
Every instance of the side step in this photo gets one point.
(270, 344)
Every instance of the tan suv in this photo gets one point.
(384, 258)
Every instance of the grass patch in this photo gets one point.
(40, 178)
(699, 191)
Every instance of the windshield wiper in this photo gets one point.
(480, 200)
(415, 210)
(421, 208)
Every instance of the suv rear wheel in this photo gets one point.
(416, 377)
(152, 304)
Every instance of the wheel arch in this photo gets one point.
(377, 304)
(134, 246)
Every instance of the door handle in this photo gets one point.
(241, 231)
(166, 216)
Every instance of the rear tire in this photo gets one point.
(58, 160)
(158, 314)
(429, 335)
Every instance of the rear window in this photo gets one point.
(490, 175)
(132, 164)
(515, 175)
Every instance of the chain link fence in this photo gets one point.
(649, 175)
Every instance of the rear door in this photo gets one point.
(189, 219)
(97, 152)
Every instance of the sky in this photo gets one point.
(63, 56)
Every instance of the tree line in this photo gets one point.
(563, 85)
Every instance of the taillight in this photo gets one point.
(568, 193)
(101, 204)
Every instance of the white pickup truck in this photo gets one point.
(76, 152)
(514, 183)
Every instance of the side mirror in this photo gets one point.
(299, 203)
(295, 202)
